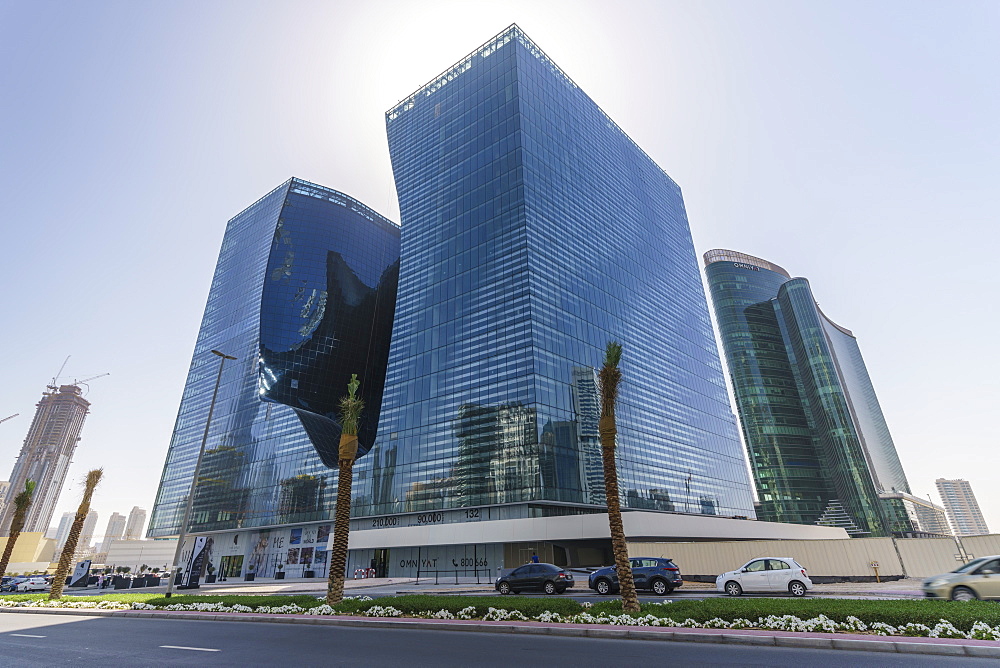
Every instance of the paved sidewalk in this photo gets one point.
(828, 641)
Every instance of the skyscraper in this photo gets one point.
(135, 524)
(87, 533)
(113, 532)
(303, 296)
(818, 443)
(962, 507)
(535, 231)
(47, 453)
(62, 533)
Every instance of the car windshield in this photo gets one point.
(972, 565)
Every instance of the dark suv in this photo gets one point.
(545, 577)
(659, 575)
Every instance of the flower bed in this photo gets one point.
(653, 614)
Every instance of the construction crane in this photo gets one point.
(9, 418)
(52, 385)
(84, 381)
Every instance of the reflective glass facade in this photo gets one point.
(818, 444)
(533, 231)
(303, 296)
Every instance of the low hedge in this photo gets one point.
(304, 600)
(897, 612)
(414, 603)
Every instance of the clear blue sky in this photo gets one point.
(854, 143)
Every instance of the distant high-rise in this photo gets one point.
(135, 524)
(819, 446)
(47, 453)
(65, 524)
(4, 486)
(87, 534)
(116, 527)
(963, 509)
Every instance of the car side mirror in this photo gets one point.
(744, 570)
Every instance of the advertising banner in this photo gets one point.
(193, 572)
(81, 574)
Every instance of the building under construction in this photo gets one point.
(46, 455)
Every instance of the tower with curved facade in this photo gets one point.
(818, 444)
(303, 296)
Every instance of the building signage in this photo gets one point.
(740, 265)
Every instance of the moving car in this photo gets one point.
(779, 574)
(657, 574)
(545, 577)
(980, 578)
(34, 583)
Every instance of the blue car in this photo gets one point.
(661, 576)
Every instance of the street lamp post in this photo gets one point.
(194, 480)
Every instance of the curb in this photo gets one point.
(833, 641)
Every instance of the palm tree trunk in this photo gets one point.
(15, 530)
(69, 550)
(342, 519)
(608, 429)
(22, 501)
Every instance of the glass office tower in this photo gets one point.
(818, 443)
(303, 296)
(533, 231)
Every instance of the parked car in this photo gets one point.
(660, 575)
(9, 582)
(782, 574)
(980, 578)
(34, 583)
(545, 577)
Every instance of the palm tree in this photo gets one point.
(21, 503)
(351, 406)
(66, 558)
(610, 376)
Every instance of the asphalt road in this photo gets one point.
(51, 640)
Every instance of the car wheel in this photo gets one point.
(963, 594)
(603, 587)
(504, 588)
(660, 587)
(734, 588)
(549, 587)
(797, 588)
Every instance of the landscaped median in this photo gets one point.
(935, 619)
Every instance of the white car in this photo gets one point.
(766, 574)
(33, 584)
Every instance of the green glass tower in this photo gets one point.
(818, 444)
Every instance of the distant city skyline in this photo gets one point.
(859, 152)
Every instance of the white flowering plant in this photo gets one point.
(980, 630)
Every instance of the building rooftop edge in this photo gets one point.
(725, 255)
(513, 31)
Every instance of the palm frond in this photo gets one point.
(351, 407)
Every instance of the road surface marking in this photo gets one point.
(25, 635)
(193, 649)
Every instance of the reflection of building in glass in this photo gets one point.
(818, 443)
(534, 231)
(46, 455)
(303, 296)
(963, 509)
(913, 517)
